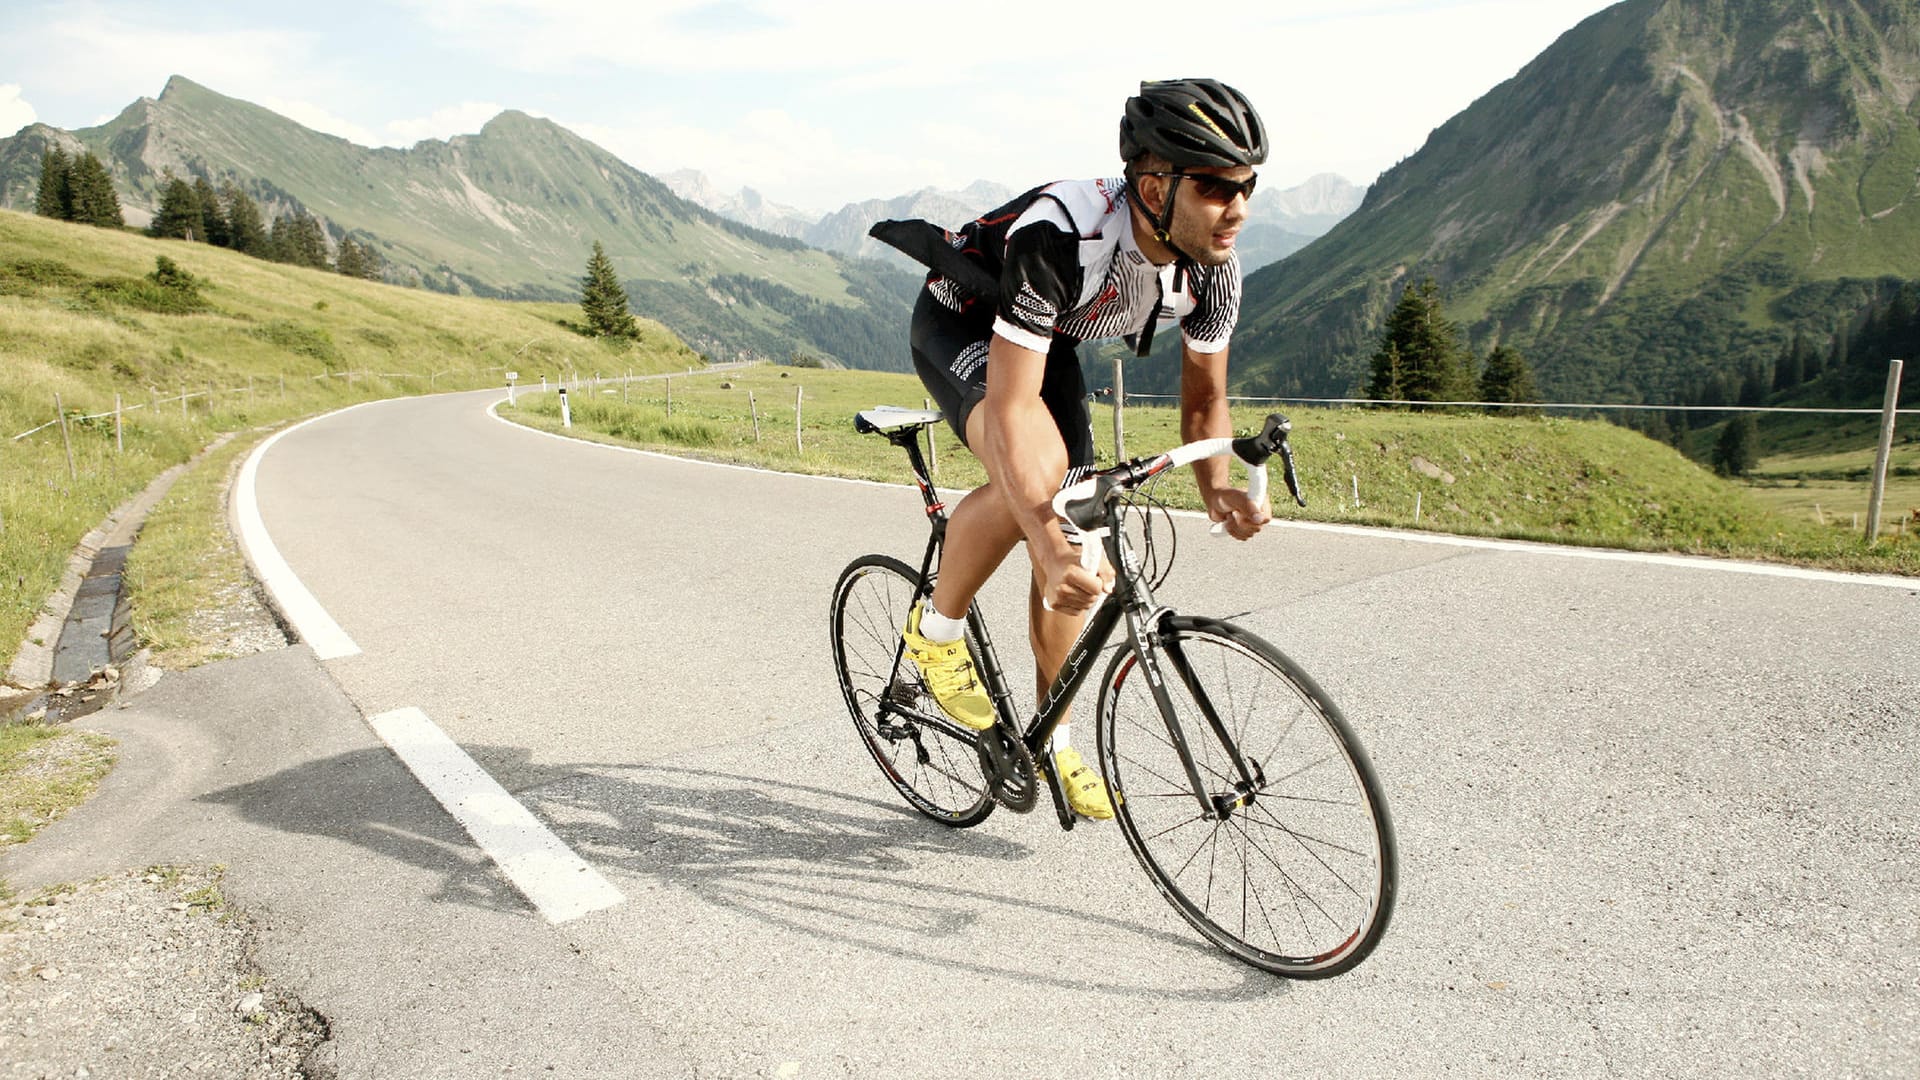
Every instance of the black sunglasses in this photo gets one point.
(1214, 189)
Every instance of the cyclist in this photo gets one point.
(994, 332)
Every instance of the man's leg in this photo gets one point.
(980, 533)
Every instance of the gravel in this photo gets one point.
(145, 974)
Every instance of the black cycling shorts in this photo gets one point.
(950, 353)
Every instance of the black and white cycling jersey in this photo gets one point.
(1067, 264)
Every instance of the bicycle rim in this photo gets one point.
(934, 769)
(1297, 879)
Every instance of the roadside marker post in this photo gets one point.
(1885, 451)
(511, 376)
(566, 412)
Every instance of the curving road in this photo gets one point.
(1656, 817)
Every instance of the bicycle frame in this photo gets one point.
(1131, 600)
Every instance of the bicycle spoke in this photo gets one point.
(870, 602)
(1295, 879)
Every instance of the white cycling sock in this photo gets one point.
(937, 627)
(1060, 741)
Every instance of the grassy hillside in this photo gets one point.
(510, 211)
(1569, 481)
(79, 318)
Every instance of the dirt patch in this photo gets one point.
(148, 973)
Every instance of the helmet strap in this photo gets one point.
(1161, 223)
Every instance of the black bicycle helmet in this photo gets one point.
(1193, 123)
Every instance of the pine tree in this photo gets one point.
(1791, 369)
(1425, 344)
(216, 222)
(179, 213)
(245, 231)
(298, 239)
(1507, 378)
(54, 199)
(1738, 450)
(602, 300)
(94, 201)
(355, 259)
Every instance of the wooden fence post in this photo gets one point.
(60, 411)
(933, 451)
(119, 444)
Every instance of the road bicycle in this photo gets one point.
(1238, 785)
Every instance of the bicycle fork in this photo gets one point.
(1249, 779)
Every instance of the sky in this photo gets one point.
(813, 103)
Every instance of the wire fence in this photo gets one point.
(1570, 406)
(154, 400)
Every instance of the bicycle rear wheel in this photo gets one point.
(922, 754)
(1294, 872)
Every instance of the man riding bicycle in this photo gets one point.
(994, 334)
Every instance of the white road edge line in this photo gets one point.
(1684, 562)
(545, 870)
(309, 619)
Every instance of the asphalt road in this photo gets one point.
(1653, 819)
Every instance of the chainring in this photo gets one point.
(1011, 776)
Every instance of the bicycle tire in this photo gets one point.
(925, 760)
(1300, 879)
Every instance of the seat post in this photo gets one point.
(909, 439)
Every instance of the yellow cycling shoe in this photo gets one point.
(1086, 792)
(947, 667)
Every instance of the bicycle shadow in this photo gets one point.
(796, 856)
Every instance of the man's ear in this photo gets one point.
(1153, 194)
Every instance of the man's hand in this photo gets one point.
(1070, 588)
(1239, 513)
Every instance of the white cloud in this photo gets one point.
(15, 113)
(319, 119)
(465, 118)
(246, 62)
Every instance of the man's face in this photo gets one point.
(1207, 217)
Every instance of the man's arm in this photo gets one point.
(1025, 459)
(1204, 415)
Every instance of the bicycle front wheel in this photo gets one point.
(921, 752)
(1285, 856)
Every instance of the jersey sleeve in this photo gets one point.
(1039, 280)
(1216, 308)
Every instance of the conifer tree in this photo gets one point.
(355, 259)
(1432, 364)
(1507, 378)
(94, 201)
(1738, 450)
(179, 213)
(54, 199)
(246, 233)
(602, 300)
(1790, 370)
(210, 215)
(298, 239)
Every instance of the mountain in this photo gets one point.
(748, 207)
(1308, 209)
(511, 211)
(1665, 194)
(845, 230)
